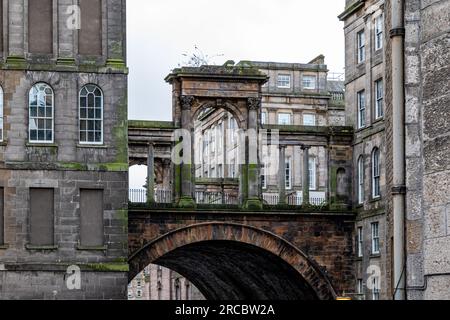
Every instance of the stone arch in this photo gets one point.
(240, 117)
(290, 262)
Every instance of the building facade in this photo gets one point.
(365, 109)
(397, 76)
(296, 95)
(63, 150)
(159, 283)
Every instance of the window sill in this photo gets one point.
(375, 255)
(374, 200)
(4, 246)
(41, 145)
(91, 146)
(41, 248)
(380, 119)
(94, 248)
(3, 143)
(359, 259)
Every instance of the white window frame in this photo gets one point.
(2, 128)
(87, 118)
(376, 288)
(312, 174)
(31, 119)
(361, 97)
(264, 176)
(379, 32)
(376, 174)
(309, 123)
(280, 114)
(379, 99)
(311, 83)
(375, 230)
(263, 117)
(361, 46)
(360, 242)
(360, 287)
(288, 173)
(284, 81)
(360, 176)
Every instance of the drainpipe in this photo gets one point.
(397, 34)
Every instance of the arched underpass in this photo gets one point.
(225, 270)
(236, 262)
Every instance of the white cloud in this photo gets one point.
(267, 30)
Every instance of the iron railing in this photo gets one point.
(215, 198)
(140, 196)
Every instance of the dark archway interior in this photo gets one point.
(227, 270)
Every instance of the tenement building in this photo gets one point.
(397, 95)
(63, 150)
(364, 101)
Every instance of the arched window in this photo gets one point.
(41, 112)
(376, 191)
(1, 114)
(360, 175)
(91, 115)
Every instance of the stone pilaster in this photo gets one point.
(306, 182)
(282, 175)
(151, 174)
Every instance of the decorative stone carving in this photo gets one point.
(186, 102)
(254, 103)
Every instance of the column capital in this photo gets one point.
(254, 103)
(186, 102)
(305, 147)
(282, 146)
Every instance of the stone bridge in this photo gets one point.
(232, 255)
(248, 249)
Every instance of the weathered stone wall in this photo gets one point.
(65, 165)
(427, 71)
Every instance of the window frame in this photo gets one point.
(284, 114)
(310, 115)
(375, 231)
(379, 99)
(45, 118)
(376, 288)
(379, 30)
(288, 173)
(360, 177)
(91, 119)
(312, 173)
(263, 117)
(376, 174)
(361, 103)
(361, 46)
(314, 82)
(288, 80)
(360, 242)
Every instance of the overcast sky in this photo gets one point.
(160, 31)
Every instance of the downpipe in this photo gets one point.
(397, 35)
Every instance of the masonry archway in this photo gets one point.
(235, 262)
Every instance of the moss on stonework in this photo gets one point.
(254, 204)
(186, 203)
(120, 131)
(143, 124)
(109, 267)
(109, 167)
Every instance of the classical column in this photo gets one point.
(253, 201)
(306, 181)
(151, 173)
(282, 175)
(187, 181)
